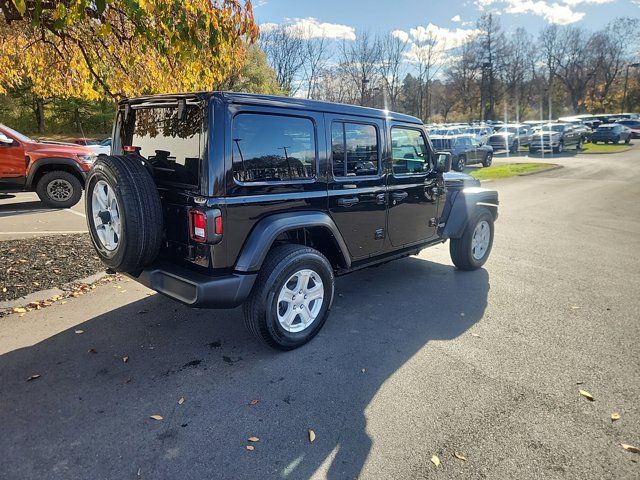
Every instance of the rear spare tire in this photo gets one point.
(124, 213)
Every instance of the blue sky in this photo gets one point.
(389, 15)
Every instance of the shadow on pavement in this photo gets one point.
(20, 208)
(87, 416)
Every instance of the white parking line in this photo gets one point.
(80, 214)
(38, 232)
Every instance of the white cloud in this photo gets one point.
(433, 40)
(311, 28)
(456, 19)
(561, 12)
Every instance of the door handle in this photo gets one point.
(348, 202)
(381, 199)
(399, 196)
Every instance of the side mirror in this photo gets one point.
(5, 140)
(443, 162)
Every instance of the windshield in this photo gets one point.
(552, 128)
(508, 130)
(18, 135)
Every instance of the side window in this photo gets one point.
(273, 148)
(354, 149)
(409, 151)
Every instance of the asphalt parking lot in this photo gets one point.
(22, 215)
(417, 359)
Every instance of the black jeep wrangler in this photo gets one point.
(222, 199)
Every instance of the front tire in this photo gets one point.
(579, 145)
(616, 141)
(559, 148)
(59, 189)
(515, 146)
(472, 249)
(291, 298)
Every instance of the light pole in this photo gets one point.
(626, 83)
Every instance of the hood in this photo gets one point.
(502, 135)
(546, 133)
(460, 180)
(58, 149)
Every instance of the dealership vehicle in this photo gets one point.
(54, 170)
(633, 125)
(464, 149)
(481, 133)
(101, 148)
(555, 137)
(613, 132)
(510, 137)
(222, 199)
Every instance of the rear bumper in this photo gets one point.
(196, 289)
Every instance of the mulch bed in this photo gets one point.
(40, 263)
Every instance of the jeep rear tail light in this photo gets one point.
(129, 148)
(218, 228)
(198, 226)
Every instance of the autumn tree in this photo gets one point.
(116, 48)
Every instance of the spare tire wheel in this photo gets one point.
(124, 213)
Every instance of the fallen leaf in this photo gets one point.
(250, 447)
(125, 359)
(181, 401)
(253, 439)
(575, 307)
(253, 402)
(459, 456)
(92, 350)
(475, 335)
(312, 435)
(33, 377)
(79, 331)
(139, 471)
(435, 460)
(586, 395)
(615, 416)
(19, 310)
(630, 448)
(156, 417)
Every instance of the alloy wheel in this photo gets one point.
(480, 240)
(300, 300)
(59, 190)
(106, 215)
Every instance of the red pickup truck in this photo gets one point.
(54, 170)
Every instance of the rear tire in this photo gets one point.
(515, 146)
(124, 213)
(467, 252)
(460, 163)
(628, 140)
(579, 145)
(59, 189)
(270, 304)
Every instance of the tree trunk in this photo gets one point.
(39, 111)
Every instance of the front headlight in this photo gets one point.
(87, 158)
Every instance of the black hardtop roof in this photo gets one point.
(277, 101)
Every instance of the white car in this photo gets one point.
(102, 148)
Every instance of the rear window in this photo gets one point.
(354, 149)
(441, 144)
(273, 148)
(172, 145)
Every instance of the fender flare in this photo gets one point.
(267, 230)
(36, 165)
(461, 207)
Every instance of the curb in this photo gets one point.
(43, 295)
(607, 153)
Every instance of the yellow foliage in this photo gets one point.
(130, 48)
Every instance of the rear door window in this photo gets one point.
(270, 147)
(354, 149)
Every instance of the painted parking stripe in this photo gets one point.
(38, 232)
(80, 214)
